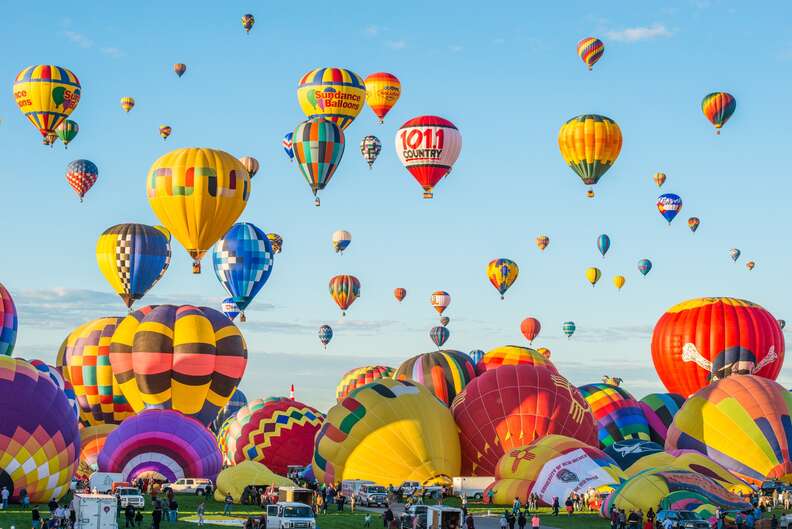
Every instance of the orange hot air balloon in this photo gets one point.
(179, 68)
(399, 293)
(530, 328)
(440, 300)
(382, 92)
(344, 290)
(659, 179)
(165, 131)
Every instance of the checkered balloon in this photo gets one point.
(81, 176)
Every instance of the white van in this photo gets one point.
(290, 515)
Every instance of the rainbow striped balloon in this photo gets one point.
(718, 107)
(8, 322)
(445, 373)
(590, 50)
(618, 414)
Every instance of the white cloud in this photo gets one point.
(78, 39)
(455, 48)
(372, 30)
(115, 53)
(639, 33)
(396, 44)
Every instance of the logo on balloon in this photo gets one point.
(389, 93)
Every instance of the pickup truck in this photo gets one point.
(290, 515)
(372, 495)
(197, 486)
(130, 496)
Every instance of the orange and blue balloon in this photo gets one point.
(502, 273)
(693, 223)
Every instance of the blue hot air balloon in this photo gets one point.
(568, 327)
(603, 244)
(439, 335)
(229, 308)
(669, 205)
(325, 335)
(476, 355)
(644, 266)
(288, 145)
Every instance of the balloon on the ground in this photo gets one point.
(543, 241)
(164, 442)
(165, 131)
(186, 358)
(179, 68)
(56, 376)
(590, 145)
(251, 164)
(440, 300)
(247, 22)
(511, 406)
(399, 294)
(344, 290)
(741, 422)
(428, 147)
(318, 145)
(530, 328)
(276, 241)
(229, 308)
(718, 107)
(659, 410)
(593, 275)
(693, 223)
(439, 335)
(692, 461)
(706, 339)
(644, 266)
(67, 131)
(81, 175)
(237, 401)
(618, 415)
(659, 179)
(360, 376)
(389, 431)
(370, 148)
(46, 94)
(382, 92)
(127, 103)
(234, 480)
(335, 94)
(288, 145)
(92, 440)
(603, 244)
(590, 50)
(619, 281)
(9, 322)
(669, 206)
(502, 273)
(325, 335)
(627, 453)
(734, 253)
(341, 240)
(512, 355)
(568, 328)
(445, 373)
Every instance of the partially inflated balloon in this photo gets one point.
(618, 282)
(439, 335)
(593, 275)
(440, 300)
(276, 241)
(590, 50)
(318, 147)
(399, 294)
(360, 376)
(428, 147)
(238, 401)
(46, 94)
(502, 273)
(288, 145)
(659, 179)
(692, 461)
(669, 206)
(590, 145)
(8, 322)
(81, 176)
(512, 355)
(542, 241)
(370, 148)
(247, 22)
(325, 335)
(603, 244)
(659, 410)
(341, 239)
(197, 194)
(568, 328)
(627, 453)
(56, 376)
(693, 223)
(67, 131)
(92, 440)
(251, 164)
(718, 107)
(127, 103)
(644, 266)
(530, 328)
(344, 290)
(179, 68)
(382, 92)
(618, 415)
(445, 373)
(335, 94)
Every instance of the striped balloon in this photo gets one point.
(92, 440)
(335, 94)
(127, 103)
(590, 144)
(659, 410)
(439, 335)
(81, 176)
(360, 376)
(251, 164)
(618, 415)
(568, 327)
(445, 373)
(476, 355)
(237, 402)
(288, 145)
(8, 322)
(512, 355)
(344, 290)
(67, 131)
(718, 107)
(46, 94)
(382, 92)
(318, 147)
(590, 50)
(56, 376)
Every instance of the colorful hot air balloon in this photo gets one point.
(702, 340)
(590, 145)
(782, 324)
(502, 273)
(476, 355)
(512, 355)
(400, 294)
(542, 241)
(360, 376)
(445, 373)
(382, 93)
(444, 321)
(644, 266)
(229, 308)
(276, 241)
(9, 322)
(399, 418)
(530, 328)
(165, 131)
(593, 275)
(325, 335)
(237, 402)
(693, 223)
(132, 258)
(247, 22)
(341, 239)
(718, 107)
(318, 147)
(440, 300)
(370, 148)
(179, 68)
(67, 131)
(92, 440)
(46, 94)
(750, 265)
(127, 103)
(81, 176)
(603, 244)
(251, 164)
(288, 145)
(590, 50)
(428, 147)
(56, 376)
(659, 410)
(618, 282)
(544, 351)
(669, 205)
(439, 335)
(243, 261)
(568, 327)
(344, 290)
(197, 194)
(618, 415)
(335, 94)
(189, 359)
(659, 179)
(689, 460)
(734, 253)
(511, 406)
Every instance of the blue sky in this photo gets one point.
(508, 77)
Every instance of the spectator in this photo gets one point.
(129, 516)
(367, 520)
(516, 506)
(773, 520)
(469, 523)
(622, 519)
(173, 507)
(227, 504)
(569, 505)
(556, 505)
(490, 496)
(249, 523)
(522, 521)
(352, 501)
(632, 520)
(503, 522)
(387, 517)
(340, 499)
(156, 513)
(535, 522)
(35, 517)
(510, 518)
(24, 498)
(200, 512)
(138, 518)
(4, 495)
(72, 517)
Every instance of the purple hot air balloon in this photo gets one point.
(162, 441)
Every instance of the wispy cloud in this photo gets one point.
(640, 33)
(115, 53)
(614, 334)
(372, 30)
(396, 44)
(346, 326)
(85, 42)
(78, 38)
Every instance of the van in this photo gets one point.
(290, 515)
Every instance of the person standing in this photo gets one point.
(138, 518)
(156, 513)
(227, 504)
(516, 506)
(24, 498)
(129, 516)
(4, 495)
(504, 522)
(35, 517)
(469, 523)
(490, 496)
(200, 512)
(173, 507)
(556, 505)
(535, 522)
(387, 517)
(522, 521)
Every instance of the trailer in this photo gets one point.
(95, 511)
(471, 486)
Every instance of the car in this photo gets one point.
(683, 519)
(786, 521)
(408, 487)
(197, 486)
(130, 496)
(413, 517)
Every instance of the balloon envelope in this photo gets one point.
(618, 415)
(335, 94)
(445, 373)
(8, 322)
(428, 147)
(512, 355)
(590, 50)
(382, 92)
(46, 94)
(360, 376)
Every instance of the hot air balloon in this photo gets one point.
(718, 107)
(344, 290)
(237, 402)
(740, 422)
(512, 355)
(590, 145)
(439, 335)
(593, 275)
(276, 241)
(50, 138)
(530, 328)
(476, 355)
(781, 323)
(659, 179)
(382, 93)
(750, 265)
(67, 131)
(502, 273)
(341, 239)
(179, 68)
(92, 440)
(127, 103)
(590, 50)
(659, 410)
(445, 373)
(133, 258)
(38, 434)
(603, 244)
(644, 266)
(186, 358)
(734, 253)
(542, 241)
(81, 176)
(229, 308)
(360, 376)
(627, 453)
(243, 261)
(288, 145)
(233, 481)
(251, 164)
(702, 340)
(400, 294)
(618, 282)
(669, 205)
(46, 94)
(400, 419)
(162, 441)
(693, 223)
(56, 376)
(370, 148)
(618, 415)
(511, 406)
(691, 461)
(568, 327)
(544, 351)
(444, 321)
(9, 322)
(428, 147)
(318, 147)
(165, 131)
(247, 22)
(325, 335)
(197, 194)
(440, 300)
(335, 94)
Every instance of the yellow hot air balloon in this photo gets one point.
(127, 103)
(618, 281)
(382, 91)
(335, 94)
(46, 94)
(502, 273)
(542, 242)
(590, 145)
(593, 275)
(197, 194)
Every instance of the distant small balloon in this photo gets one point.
(590, 50)
(341, 239)
(444, 321)
(542, 242)
(530, 328)
(325, 335)
(603, 244)
(502, 273)
(568, 327)
(399, 294)
(276, 241)
(644, 266)
(750, 265)
(247, 22)
(618, 282)
(251, 164)
(734, 253)
(440, 300)
(693, 223)
(476, 355)
(165, 131)
(659, 179)
(179, 68)
(593, 275)
(81, 175)
(127, 103)
(370, 148)
(439, 335)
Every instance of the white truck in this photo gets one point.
(102, 482)
(95, 511)
(130, 496)
(290, 515)
(471, 486)
(442, 517)
(197, 486)
(352, 487)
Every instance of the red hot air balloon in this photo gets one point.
(702, 340)
(530, 328)
(400, 293)
(428, 146)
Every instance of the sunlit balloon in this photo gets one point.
(46, 94)
(325, 335)
(360, 376)
(229, 308)
(542, 241)
(603, 244)
(618, 282)
(235, 481)
(444, 321)
(544, 351)
(693, 223)
(344, 289)
(502, 273)
(55, 374)
(590, 145)
(370, 148)
(593, 275)
(382, 92)
(692, 461)
(251, 164)
(276, 241)
(530, 328)
(318, 146)
(341, 239)
(67, 131)
(81, 175)
(179, 68)
(476, 355)
(750, 265)
(165, 131)
(659, 410)
(9, 322)
(440, 300)
(247, 22)
(734, 253)
(659, 179)
(568, 328)
(288, 145)
(512, 355)
(237, 402)
(439, 335)
(618, 415)
(644, 266)
(335, 94)
(445, 373)
(127, 103)
(92, 440)
(428, 147)
(718, 107)
(669, 206)
(590, 50)
(399, 294)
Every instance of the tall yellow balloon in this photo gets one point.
(46, 94)
(618, 281)
(593, 275)
(197, 194)
(336, 94)
(590, 145)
